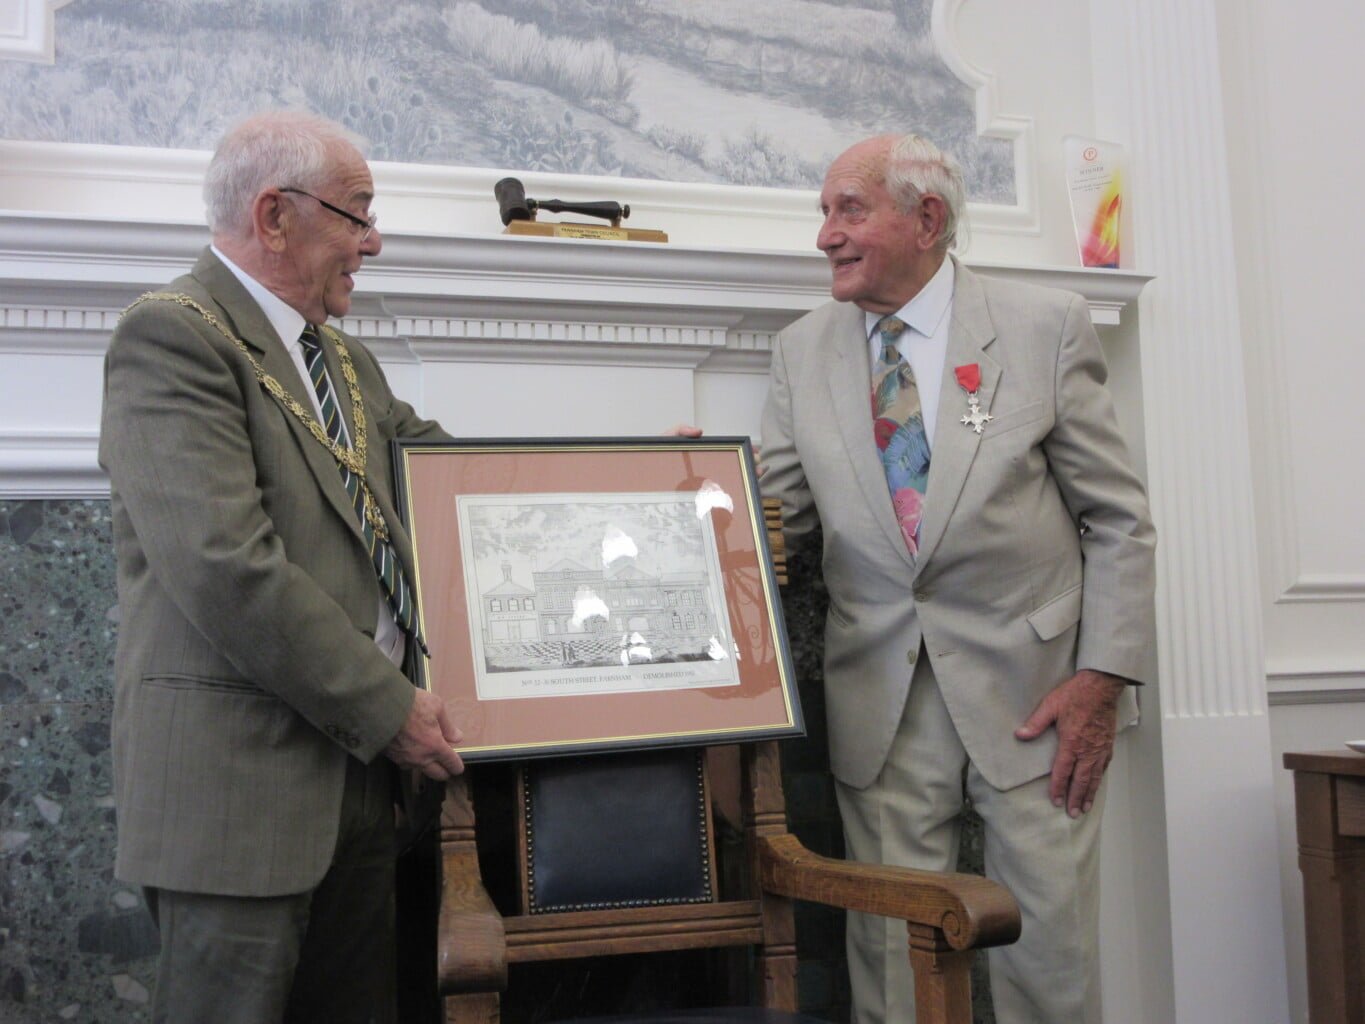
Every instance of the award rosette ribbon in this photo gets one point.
(1094, 178)
(969, 379)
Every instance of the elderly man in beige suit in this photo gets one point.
(988, 555)
(261, 709)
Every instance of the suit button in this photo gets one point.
(922, 593)
(912, 654)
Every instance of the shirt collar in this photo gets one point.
(925, 311)
(287, 321)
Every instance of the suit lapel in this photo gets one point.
(850, 386)
(249, 323)
(955, 444)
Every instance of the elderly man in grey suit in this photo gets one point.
(988, 554)
(261, 709)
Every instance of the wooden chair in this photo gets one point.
(948, 915)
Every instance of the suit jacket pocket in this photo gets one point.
(1012, 420)
(1057, 615)
(838, 615)
(224, 789)
(173, 681)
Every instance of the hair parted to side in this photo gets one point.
(279, 147)
(914, 167)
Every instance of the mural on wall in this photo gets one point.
(760, 93)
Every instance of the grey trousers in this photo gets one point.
(322, 955)
(910, 816)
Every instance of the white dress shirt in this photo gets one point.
(289, 324)
(924, 345)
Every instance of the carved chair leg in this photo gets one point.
(475, 1008)
(943, 988)
(778, 966)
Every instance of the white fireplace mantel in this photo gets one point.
(484, 302)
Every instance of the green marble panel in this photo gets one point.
(74, 944)
(77, 944)
(57, 601)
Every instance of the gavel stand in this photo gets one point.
(575, 229)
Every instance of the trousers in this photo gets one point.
(324, 954)
(911, 816)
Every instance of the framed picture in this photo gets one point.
(585, 594)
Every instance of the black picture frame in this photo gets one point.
(593, 594)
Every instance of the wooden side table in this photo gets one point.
(1329, 807)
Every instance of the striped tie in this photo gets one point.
(386, 565)
(898, 426)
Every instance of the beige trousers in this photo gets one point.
(910, 816)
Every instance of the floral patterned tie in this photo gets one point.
(898, 426)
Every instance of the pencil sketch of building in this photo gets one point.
(509, 612)
(576, 616)
(594, 592)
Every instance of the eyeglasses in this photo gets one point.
(366, 226)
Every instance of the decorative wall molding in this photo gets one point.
(587, 343)
(1266, 326)
(42, 330)
(1318, 588)
(427, 300)
(50, 464)
(28, 30)
(1314, 671)
(1328, 695)
(1107, 292)
(419, 197)
(1315, 680)
(1163, 62)
(1210, 617)
(74, 268)
(1023, 217)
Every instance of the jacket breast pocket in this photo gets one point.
(1010, 421)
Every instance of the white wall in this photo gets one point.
(1292, 77)
(1298, 145)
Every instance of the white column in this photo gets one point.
(1158, 88)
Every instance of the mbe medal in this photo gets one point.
(969, 378)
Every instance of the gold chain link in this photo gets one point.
(352, 459)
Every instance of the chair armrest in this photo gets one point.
(971, 912)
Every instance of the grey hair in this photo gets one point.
(277, 148)
(915, 167)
